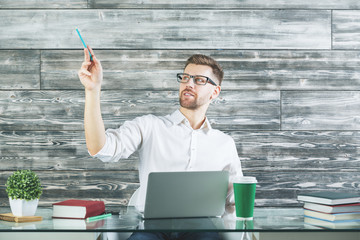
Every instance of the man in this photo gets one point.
(181, 141)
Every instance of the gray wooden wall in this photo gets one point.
(290, 99)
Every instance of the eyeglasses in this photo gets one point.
(198, 79)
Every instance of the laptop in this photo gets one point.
(186, 194)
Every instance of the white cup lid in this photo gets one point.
(245, 180)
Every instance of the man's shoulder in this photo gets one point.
(221, 135)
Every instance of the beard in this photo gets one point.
(191, 103)
(188, 104)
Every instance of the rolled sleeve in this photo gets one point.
(123, 141)
(106, 153)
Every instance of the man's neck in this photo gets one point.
(195, 117)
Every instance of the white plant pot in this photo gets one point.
(21, 207)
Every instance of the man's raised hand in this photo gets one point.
(91, 72)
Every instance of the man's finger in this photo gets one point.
(85, 65)
(91, 51)
(86, 55)
(84, 72)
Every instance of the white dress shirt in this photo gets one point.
(169, 143)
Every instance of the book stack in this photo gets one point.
(71, 214)
(78, 209)
(334, 210)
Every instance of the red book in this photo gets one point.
(78, 209)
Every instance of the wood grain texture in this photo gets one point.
(123, 69)
(40, 110)
(20, 69)
(282, 189)
(261, 4)
(53, 150)
(222, 4)
(63, 110)
(244, 69)
(346, 29)
(116, 187)
(321, 110)
(297, 151)
(167, 29)
(21, 4)
(290, 96)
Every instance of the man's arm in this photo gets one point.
(91, 75)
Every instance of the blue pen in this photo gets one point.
(82, 40)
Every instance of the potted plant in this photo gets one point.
(24, 190)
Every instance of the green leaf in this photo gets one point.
(23, 184)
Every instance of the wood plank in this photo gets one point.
(257, 4)
(235, 110)
(214, 4)
(244, 69)
(60, 185)
(167, 29)
(20, 69)
(298, 151)
(291, 70)
(41, 110)
(283, 188)
(49, 150)
(322, 110)
(346, 29)
(116, 187)
(123, 69)
(43, 4)
(63, 110)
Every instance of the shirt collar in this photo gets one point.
(177, 117)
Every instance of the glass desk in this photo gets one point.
(268, 223)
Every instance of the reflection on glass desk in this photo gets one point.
(267, 221)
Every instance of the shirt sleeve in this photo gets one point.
(123, 141)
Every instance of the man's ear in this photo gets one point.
(216, 92)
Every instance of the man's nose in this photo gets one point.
(191, 83)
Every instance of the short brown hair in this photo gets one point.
(200, 59)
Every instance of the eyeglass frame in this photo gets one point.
(208, 80)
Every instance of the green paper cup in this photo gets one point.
(244, 193)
